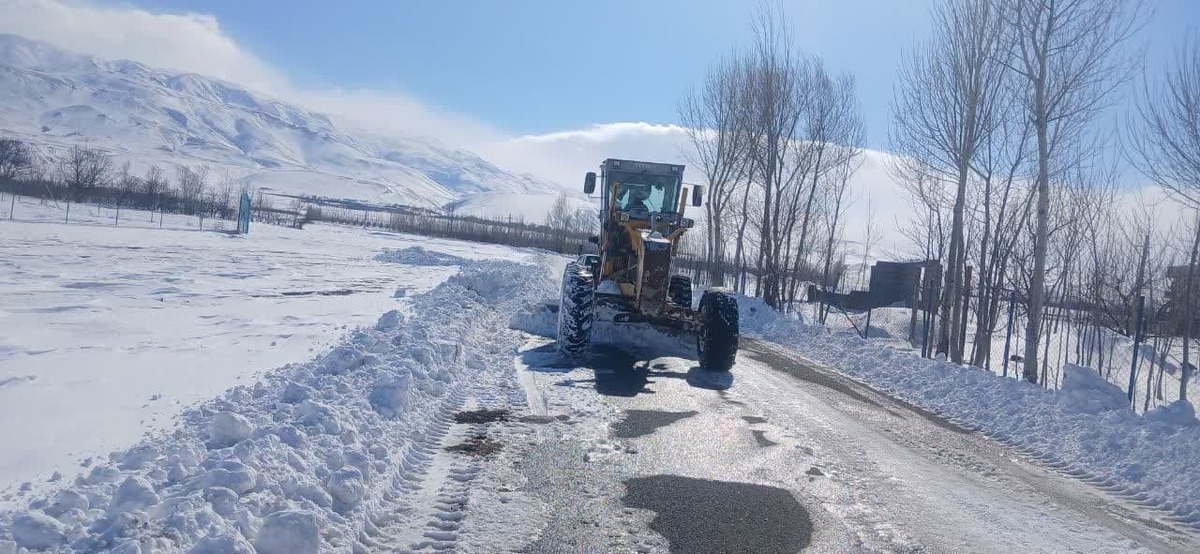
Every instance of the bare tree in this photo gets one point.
(1168, 149)
(775, 112)
(871, 238)
(83, 170)
(1067, 54)
(15, 159)
(715, 130)
(192, 184)
(1189, 306)
(945, 110)
(837, 202)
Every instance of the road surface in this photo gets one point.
(636, 453)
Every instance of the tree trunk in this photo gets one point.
(1185, 371)
(1037, 284)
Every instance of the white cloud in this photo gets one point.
(398, 112)
(187, 42)
(196, 43)
(565, 156)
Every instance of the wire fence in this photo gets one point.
(106, 210)
(1143, 358)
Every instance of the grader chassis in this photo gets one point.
(642, 206)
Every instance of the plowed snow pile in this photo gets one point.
(315, 456)
(1086, 429)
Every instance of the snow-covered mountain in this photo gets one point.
(54, 98)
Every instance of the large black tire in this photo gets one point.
(717, 338)
(575, 310)
(680, 290)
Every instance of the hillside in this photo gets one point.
(54, 98)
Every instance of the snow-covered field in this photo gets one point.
(108, 332)
(297, 391)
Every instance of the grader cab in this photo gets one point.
(642, 207)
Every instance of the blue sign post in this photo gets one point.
(244, 214)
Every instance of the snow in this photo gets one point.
(1086, 430)
(54, 99)
(37, 531)
(228, 429)
(309, 457)
(1085, 391)
(288, 532)
(111, 331)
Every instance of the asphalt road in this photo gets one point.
(783, 455)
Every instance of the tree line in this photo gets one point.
(90, 175)
(1001, 140)
(776, 136)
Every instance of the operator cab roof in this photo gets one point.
(652, 168)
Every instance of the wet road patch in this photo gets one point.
(639, 423)
(481, 416)
(478, 445)
(761, 438)
(699, 515)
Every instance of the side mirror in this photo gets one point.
(589, 182)
(697, 195)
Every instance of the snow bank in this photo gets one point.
(1086, 429)
(314, 457)
(416, 255)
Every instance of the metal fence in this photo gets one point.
(1144, 359)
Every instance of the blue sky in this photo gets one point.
(466, 69)
(538, 66)
(535, 66)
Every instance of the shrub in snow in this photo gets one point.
(228, 429)
(37, 531)
(135, 493)
(1085, 391)
(288, 532)
(222, 544)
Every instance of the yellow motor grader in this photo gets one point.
(642, 208)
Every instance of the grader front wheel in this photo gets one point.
(575, 310)
(717, 337)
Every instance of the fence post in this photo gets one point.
(867, 327)
(1012, 303)
(12, 207)
(1137, 338)
(67, 217)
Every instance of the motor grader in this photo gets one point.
(630, 281)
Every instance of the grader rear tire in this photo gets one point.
(717, 338)
(680, 291)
